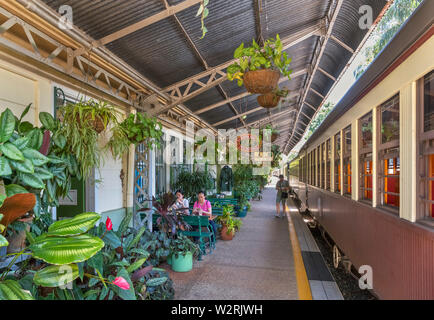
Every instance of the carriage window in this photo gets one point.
(318, 166)
(365, 156)
(426, 164)
(428, 94)
(323, 157)
(390, 120)
(328, 170)
(389, 167)
(347, 160)
(315, 170)
(338, 163)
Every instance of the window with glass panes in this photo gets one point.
(365, 156)
(337, 163)
(323, 174)
(160, 167)
(347, 160)
(388, 153)
(314, 167)
(328, 154)
(318, 166)
(426, 161)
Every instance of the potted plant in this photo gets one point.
(259, 68)
(272, 99)
(135, 129)
(82, 123)
(229, 224)
(183, 251)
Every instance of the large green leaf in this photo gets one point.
(60, 140)
(7, 125)
(81, 223)
(63, 250)
(37, 158)
(31, 180)
(5, 168)
(13, 189)
(56, 276)
(11, 290)
(21, 143)
(43, 173)
(11, 151)
(112, 240)
(47, 121)
(25, 166)
(35, 138)
(3, 241)
(136, 265)
(155, 282)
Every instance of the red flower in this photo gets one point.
(121, 283)
(109, 224)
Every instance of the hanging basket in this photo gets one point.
(268, 100)
(261, 81)
(97, 123)
(274, 137)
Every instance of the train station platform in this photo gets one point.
(258, 263)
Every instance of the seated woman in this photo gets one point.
(180, 203)
(203, 207)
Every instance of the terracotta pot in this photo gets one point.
(224, 234)
(261, 81)
(268, 100)
(17, 242)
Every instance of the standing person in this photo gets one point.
(180, 203)
(282, 187)
(203, 207)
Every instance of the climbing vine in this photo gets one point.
(204, 11)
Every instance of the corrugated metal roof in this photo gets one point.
(162, 53)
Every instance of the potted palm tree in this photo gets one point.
(229, 224)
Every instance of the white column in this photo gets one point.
(355, 160)
(375, 140)
(342, 162)
(407, 152)
(129, 199)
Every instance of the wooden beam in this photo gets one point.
(218, 104)
(237, 116)
(170, 11)
(310, 106)
(326, 73)
(342, 44)
(317, 93)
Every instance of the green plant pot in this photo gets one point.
(169, 259)
(182, 263)
(242, 212)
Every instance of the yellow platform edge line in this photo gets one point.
(303, 286)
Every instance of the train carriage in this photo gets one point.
(367, 174)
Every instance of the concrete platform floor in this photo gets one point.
(256, 264)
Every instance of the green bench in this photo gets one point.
(199, 222)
